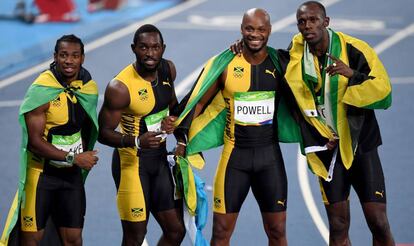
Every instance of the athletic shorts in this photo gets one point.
(144, 184)
(365, 175)
(46, 196)
(260, 168)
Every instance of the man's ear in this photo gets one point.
(326, 21)
(133, 48)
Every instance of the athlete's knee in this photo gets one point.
(72, 239)
(136, 238)
(338, 229)
(380, 227)
(175, 233)
(276, 229)
(377, 221)
(221, 233)
(31, 238)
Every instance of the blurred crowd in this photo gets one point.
(59, 10)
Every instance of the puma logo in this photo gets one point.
(381, 194)
(271, 72)
(281, 202)
(166, 83)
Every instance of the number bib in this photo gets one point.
(254, 108)
(67, 143)
(153, 122)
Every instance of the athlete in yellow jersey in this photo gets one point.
(344, 81)
(137, 100)
(58, 136)
(251, 157)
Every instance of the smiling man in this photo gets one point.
(58, 118)
(137, 100)
(246, 90)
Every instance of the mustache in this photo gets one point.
(149, 59)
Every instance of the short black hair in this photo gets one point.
(320, 6)
(145, 29)
(71, 38)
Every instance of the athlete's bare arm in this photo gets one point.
(218, 85)
(116, 100)
(36, 123)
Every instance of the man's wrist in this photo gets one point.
(70, 157)
(137, 142)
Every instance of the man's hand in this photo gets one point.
(167, 124)
(86, 160)
(149, 140)
(338, 67)
(332, 144)
(180, 150)
(237, 47)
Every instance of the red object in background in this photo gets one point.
(56, 11)
(95, 5)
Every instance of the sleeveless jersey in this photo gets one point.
(243, 77)
(146, 99)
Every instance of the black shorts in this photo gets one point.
(365, 175)
(261, 168)
(52, 196)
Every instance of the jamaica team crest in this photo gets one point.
(238, 72)
(143, 94)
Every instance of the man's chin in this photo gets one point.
(255, 49)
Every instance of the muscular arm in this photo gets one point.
(211, 92)
(36, 124)
(116, 99)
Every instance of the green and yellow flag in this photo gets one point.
(207, 130)
(44, 89)
(304, 78)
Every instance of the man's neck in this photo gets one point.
(144, 73)
(255, 58)
(64, 81)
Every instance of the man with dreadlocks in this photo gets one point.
(59, 130)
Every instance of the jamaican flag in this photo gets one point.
(369, 88)
(44, 89)
(207, 130)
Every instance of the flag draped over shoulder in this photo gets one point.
(206, 131)
(303, 79)
(44, 89)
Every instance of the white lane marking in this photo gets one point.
(397, 37)
(182, 87)
(105, 39)
(402, 80)
(291, 19)
(307, 196)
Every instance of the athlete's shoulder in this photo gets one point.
(125, 74)
(355, 42)
(170, 68)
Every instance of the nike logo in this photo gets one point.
(271, 72)
(281, 202)
(166, 83)
(381, 194)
